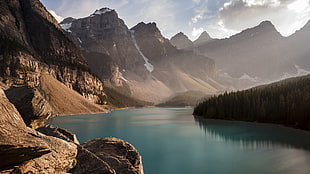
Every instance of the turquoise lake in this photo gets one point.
(172, 141)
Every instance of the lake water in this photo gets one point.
(171, 141)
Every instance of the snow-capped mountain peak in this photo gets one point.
(102, 11)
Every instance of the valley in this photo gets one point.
(88, 70)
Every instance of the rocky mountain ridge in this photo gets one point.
(139, 57)
(33, 44)
(257, 55)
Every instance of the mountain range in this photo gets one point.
(139, 57)
(259, 54)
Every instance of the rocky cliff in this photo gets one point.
(139, 57)
(56, 150)
(106, 43)
(33, 44)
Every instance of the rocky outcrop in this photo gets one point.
(30, 103)
(56, 150)
(58, 133)
(15, 139)
(50, 98)
(88, 162)
(23, 149)
(118, 153)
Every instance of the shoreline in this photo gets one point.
(253, 122)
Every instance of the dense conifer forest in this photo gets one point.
(286, 102)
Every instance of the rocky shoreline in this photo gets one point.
(55, 150)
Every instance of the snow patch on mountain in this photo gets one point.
(299, 72)
(247, 77)
(101, 11)
(147, 64)
(66, 26)
(122, 77)
(79, 40)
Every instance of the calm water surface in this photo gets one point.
(171, 141)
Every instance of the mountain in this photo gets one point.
(203, 38)
(33, 44)
(140, 57)
(298, 49)
(285, 102)
(184, 99)
(260, 53)
(181, 41)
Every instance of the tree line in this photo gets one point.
(286, 102)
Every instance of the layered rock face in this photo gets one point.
(106, 43)
(32, 42)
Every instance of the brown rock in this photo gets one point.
(119, 154)
(17, 143)
(28, 151)
(87, 162)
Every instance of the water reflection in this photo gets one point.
(254, 135)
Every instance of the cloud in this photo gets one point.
(197, 32)
(236, 15)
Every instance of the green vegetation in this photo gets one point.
(121, 97)
(188, 98)
(74, 162)
(286, 102)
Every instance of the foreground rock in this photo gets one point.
(56, 150)
(118, 153)
(23, 149)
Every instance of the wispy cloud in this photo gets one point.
(197, 32)
(287, 15)
(220, 18)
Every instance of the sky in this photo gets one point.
(220, 18)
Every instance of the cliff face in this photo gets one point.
(31, 151)
(106, 43)
(32, 42)
(140, 57)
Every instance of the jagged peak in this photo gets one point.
(179, 35)
(266, 23)
(103, 11)
(204, 37)
(149, 27)
(263, 28)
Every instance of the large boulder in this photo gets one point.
(119, 154)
